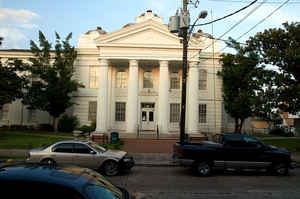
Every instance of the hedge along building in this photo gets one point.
(133, 76)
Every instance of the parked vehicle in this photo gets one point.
(84, 154)
(233, 151)
(37, 181)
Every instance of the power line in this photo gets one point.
(269, 2)
(231, 28)
(261, 21)
(228, 14)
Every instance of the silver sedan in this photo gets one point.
(83, 154)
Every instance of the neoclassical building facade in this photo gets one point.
(132, 80)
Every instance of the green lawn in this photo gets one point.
(292, 144)
(26, 140)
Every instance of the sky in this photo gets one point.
(20, 20)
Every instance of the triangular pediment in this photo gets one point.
(146, 33)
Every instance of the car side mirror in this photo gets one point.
(92, 152)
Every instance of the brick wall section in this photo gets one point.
(149, 145)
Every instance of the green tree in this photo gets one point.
(280, 47)
(52, 84)
(240, 74)
(12, 80)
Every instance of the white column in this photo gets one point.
(192, 99)
(102, 98)
(163, 97)
(132, 100)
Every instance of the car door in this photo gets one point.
(63, 153)
(85, 156)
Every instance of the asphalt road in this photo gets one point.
(178, 182)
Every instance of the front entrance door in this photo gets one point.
(147, 116)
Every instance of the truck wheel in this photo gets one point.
(203, 169)
(281, 169)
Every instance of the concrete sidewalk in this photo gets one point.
(141, 159)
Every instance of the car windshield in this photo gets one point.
(97, 147)
(102, 187)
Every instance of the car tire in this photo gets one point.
(281, 169)
(111, 168)
(48, 161)
(203, 169)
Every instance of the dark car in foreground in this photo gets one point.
(233, 151)
(45, 181)
(83, 154)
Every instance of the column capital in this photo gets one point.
(103, 62)
(194, 64)
(163, 63)
(133, 63)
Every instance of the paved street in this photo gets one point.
(178, 182)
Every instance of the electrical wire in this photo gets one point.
(269, 2)
(261, 21)
(228, 14)
(231, 28)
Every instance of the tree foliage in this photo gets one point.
(240, 74)
(280, 47)
(52, 84)
(11, 83)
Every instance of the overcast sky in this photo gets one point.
(20, 20)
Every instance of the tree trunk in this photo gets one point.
(54, 124)
(241, 125)
(236, 125)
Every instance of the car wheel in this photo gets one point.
(281, 169)
(111, 168)
(48, 161)
(203, 169)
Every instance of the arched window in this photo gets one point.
(121, 79)
(202, 79)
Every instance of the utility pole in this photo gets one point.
(184, 77)
(181, 25)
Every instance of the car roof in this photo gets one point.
(69, 176)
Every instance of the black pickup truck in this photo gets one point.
(233, 151)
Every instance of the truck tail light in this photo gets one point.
(180, 152)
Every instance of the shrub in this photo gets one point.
(278, 132)
(17, 127)
(118, 146)
(45, 127)
(88, 128)
(67, 123)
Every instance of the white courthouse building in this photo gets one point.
(132, 80)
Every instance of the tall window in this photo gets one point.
(175, 79)
(92, 116)
(202, 113)
(120, 111)
(202, 79)
(121, 79)
(31, 116)
(4, 112)
(148, 79)
(93, 77)
(174, 113)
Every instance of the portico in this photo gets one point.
(133, 75)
